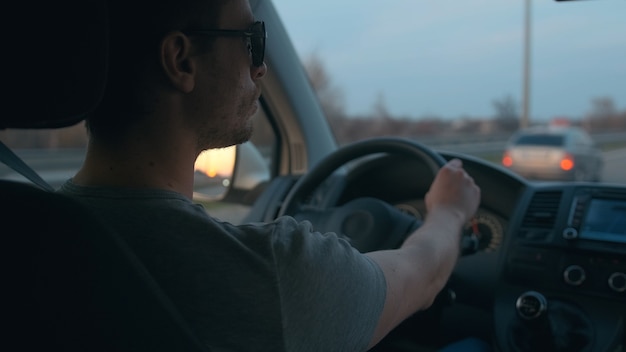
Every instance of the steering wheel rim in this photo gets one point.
(320, 172)
(368, 223)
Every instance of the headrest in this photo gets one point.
(57, 61)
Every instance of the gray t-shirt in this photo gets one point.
(260, 287)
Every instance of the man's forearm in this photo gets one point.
(433, 251)
(419, 269)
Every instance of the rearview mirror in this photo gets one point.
(217, 171)
(251, 169)
(213, 173)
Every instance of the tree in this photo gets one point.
(330, 97)
(603, 108)
(507, 116)
(380, 108)
(604, 115)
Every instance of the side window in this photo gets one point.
(264, 138)
(228, 181)
(55, 154)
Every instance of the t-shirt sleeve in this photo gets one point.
(331, 295)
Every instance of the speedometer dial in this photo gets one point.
(409, 209)
(487, 228)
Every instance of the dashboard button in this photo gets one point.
(570, 233)
(617, 282)
(574, 275)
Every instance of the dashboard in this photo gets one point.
(550, 270)
(563, 270)
(549, 273)
(577, 232)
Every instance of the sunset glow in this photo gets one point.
(216, 162)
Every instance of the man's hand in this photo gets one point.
(454, 191)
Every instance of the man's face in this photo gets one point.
(227, 90)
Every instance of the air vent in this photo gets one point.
(542, 211)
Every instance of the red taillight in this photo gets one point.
(567, 163)
(507, 160)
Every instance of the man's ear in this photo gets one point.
(176, 61)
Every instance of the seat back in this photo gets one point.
(57, 62)
(70, 283)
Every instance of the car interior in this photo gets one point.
(542, 268)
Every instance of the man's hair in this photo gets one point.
(136, 29)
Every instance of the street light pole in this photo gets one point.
(525, 121)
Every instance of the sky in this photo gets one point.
(453, 58)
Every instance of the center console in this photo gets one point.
(562, 284)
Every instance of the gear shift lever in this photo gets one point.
(558, 327)
(532, 308)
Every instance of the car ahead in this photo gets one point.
(554, 153)
(544, 264)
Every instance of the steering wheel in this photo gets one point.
(369, 223)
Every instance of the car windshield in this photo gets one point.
(466, 76)
(549, 140)
(460, 77)
(456, 76)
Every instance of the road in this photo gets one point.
(56, 166)
(615, 166)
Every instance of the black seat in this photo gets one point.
(70, 283)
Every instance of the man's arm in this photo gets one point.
(419, 269)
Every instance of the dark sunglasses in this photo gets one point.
(255, 35)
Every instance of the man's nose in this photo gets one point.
(259, 72)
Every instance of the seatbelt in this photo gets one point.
(10, 159)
